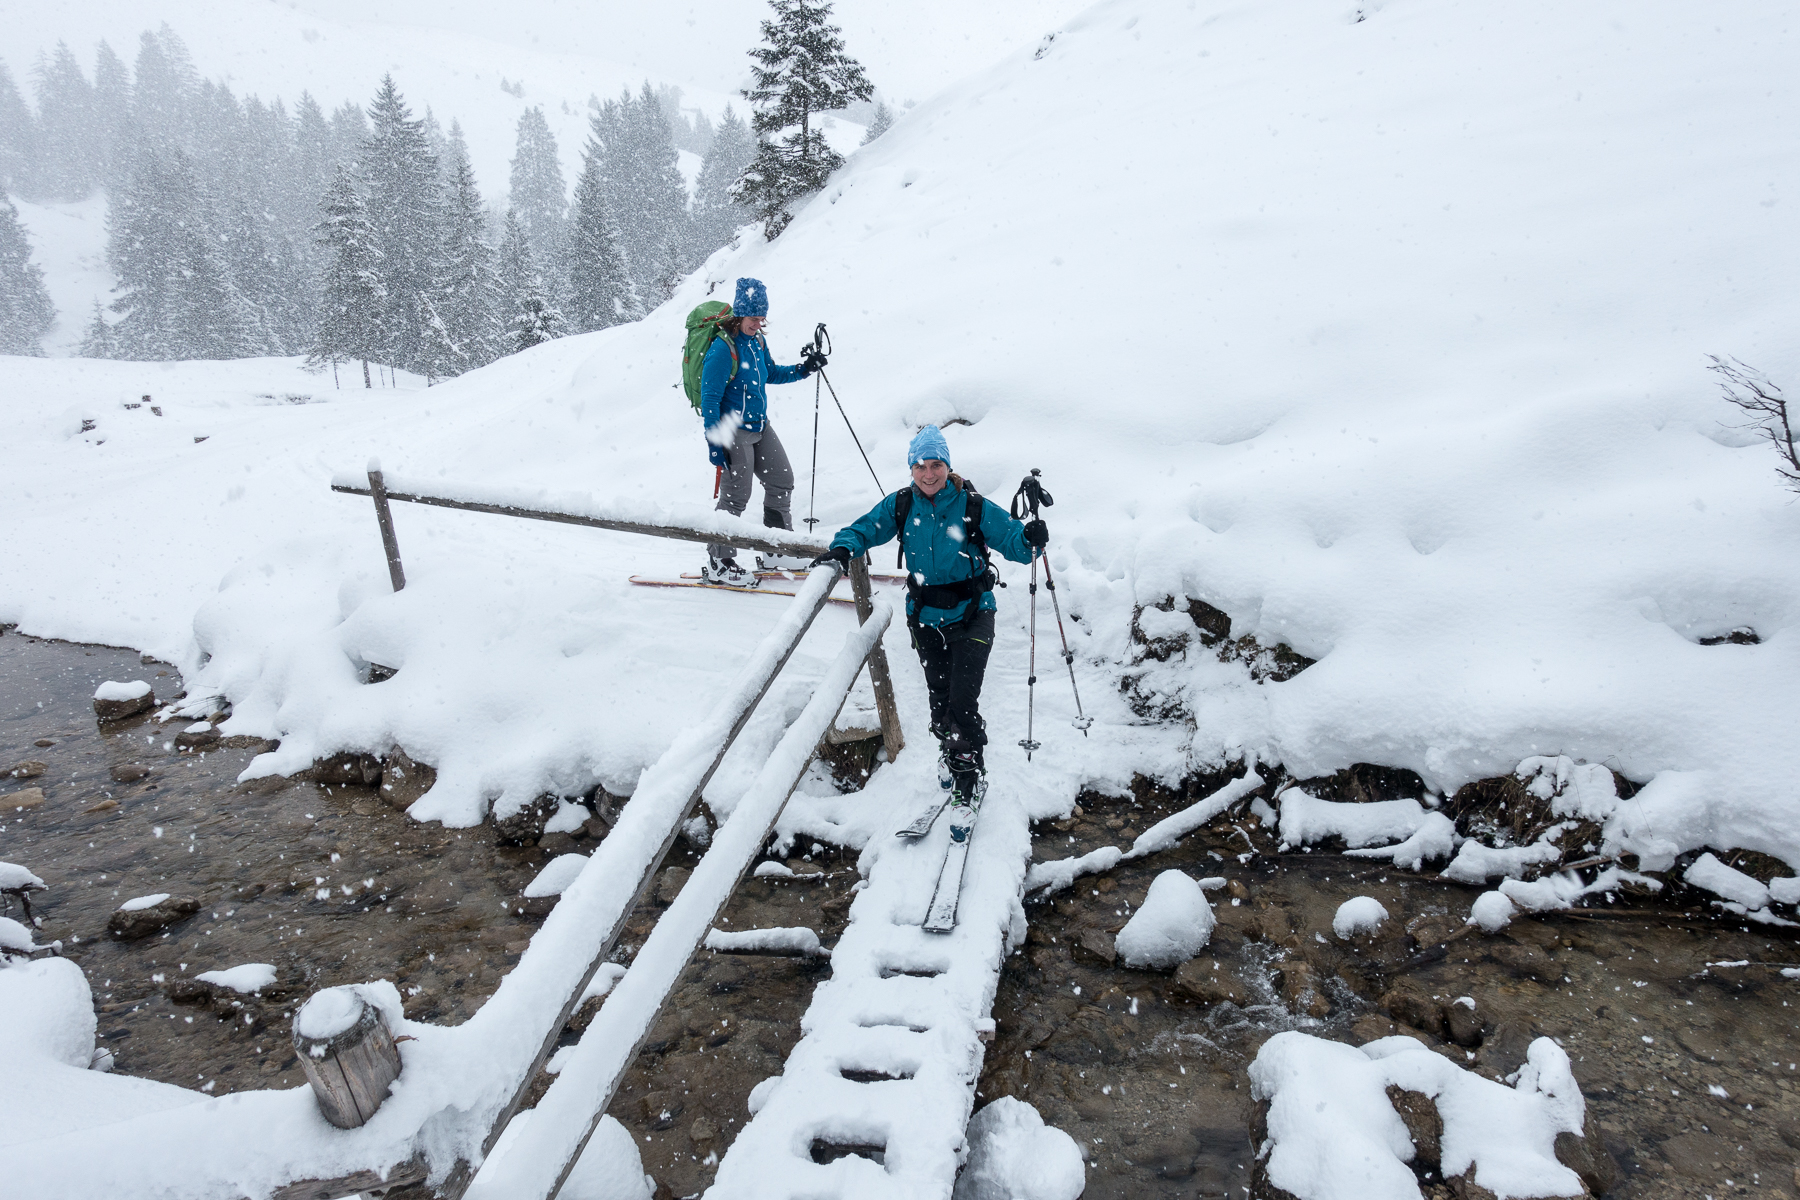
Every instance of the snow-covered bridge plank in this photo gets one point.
(892, 1043)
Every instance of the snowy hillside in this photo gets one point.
(1385, 336)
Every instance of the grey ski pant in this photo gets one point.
(759, 454)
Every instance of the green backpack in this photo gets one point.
(702, 327)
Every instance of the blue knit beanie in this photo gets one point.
(752, 299)
(928, 443)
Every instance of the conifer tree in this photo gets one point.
(404, 211)
(26, 313)
(112, 116)
(354, 301)
(68, 141)
(463, 307)
(175, 289)
(99, 340)
(536, 322)
(163, 82)
(800, 72)
(599, 291)
(883, 121)
(516, 270)
(18, 139)
(536, 192)
(716, 217)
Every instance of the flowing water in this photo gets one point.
(330, 884)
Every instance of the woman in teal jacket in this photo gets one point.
(950, 589)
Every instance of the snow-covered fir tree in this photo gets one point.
(68, 163)
(175, 293)
(800, 72)
(26, 313)
(516, 270)
(536, 190)
(99, 340)
(163, 84)
(112, 116)
(880, 124)
(716, 216)
(599, 293)
(354, 300)
(536, 322)
(18, 139)
(465, 304)
(640, 171)
(401, 178)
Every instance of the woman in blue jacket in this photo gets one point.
(735, 410)
(950, 589)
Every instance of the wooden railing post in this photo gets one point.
(883, 682)
(385, 519)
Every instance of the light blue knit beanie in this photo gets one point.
(928, 443)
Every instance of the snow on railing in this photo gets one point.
(537, 1162)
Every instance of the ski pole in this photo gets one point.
(813, 492)
(1031, 674)
(1082, 720)
(852, 429)
(1025, 503)
(718, 475)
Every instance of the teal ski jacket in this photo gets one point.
(937, 546)
(722, 392)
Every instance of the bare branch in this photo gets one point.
(1761, 400)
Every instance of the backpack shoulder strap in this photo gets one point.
(972, 522)
(902, 508)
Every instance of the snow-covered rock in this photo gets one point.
(1173, 924)
(1013, 1155)
(116, 701)
(1435, 838)
(1333, 1134)
(1709, 873)
(1785, 891)
(245, 979)
(798, 941)
(1476, 863)
(1358, 915)
(14, 878)
(1492, 911)
(557, 874)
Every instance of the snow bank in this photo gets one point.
(122, 691)
(775, 941)
(1306, 819)
(1013, 1155)
(1359, 914)
(1171, 926)
(1334, 1135)
(1476, 863)
(246, 979)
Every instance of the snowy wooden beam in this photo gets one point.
(539, 1161)
(880, 678)
(698, 525)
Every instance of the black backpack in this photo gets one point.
(946, 595)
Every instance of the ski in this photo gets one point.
(941, 916)
(727, 587)
(922, 823)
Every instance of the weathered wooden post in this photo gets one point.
(348, 1054)
(385, 519)
(891, 737)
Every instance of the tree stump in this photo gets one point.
(348, 1055)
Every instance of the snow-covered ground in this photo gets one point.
(1385, 336)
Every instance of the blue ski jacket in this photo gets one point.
(722, 392)
(937, 547)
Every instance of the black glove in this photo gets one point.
(837, 554)
(812, 360)
(1037, 534)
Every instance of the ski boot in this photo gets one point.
(965, 802)
(727, 572)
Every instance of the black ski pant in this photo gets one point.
(955, 659)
